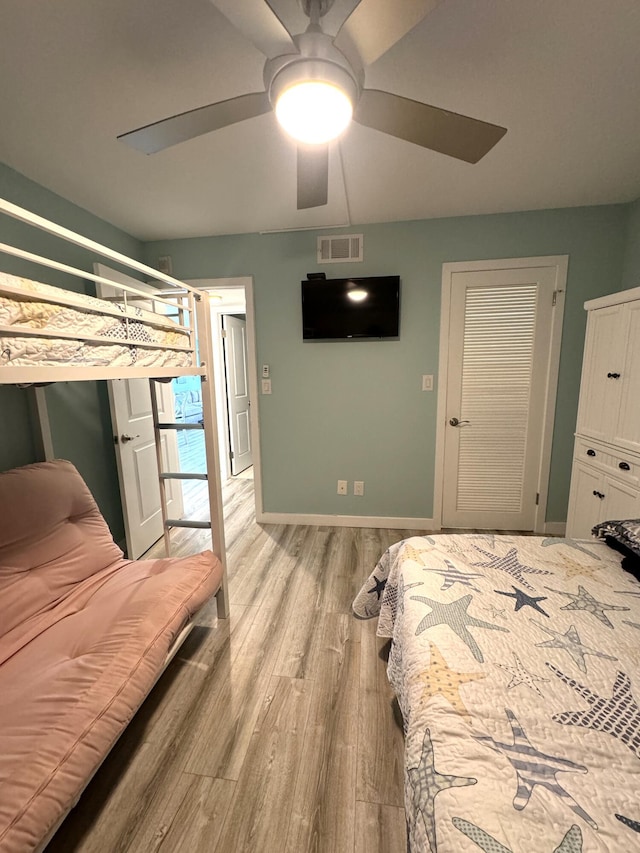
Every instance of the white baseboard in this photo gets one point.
(551, 528)
(555, 528)
(313, 520)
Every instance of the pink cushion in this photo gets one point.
(52, 535)
(93, 639)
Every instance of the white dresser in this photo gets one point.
(605, 478)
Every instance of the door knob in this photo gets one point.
(124, 438)
(456, 422)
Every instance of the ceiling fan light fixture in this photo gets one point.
(313, 100)
(314, 112)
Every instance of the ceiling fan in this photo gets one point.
(315, 84)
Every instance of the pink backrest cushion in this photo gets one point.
(52, 535)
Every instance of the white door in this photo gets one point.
(237, 376)
(132, 420)
(498, 373)
(585, 504)
(603, 359)
(620, 500)
(627, 429)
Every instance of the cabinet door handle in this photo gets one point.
(591, 452)
(625, 466)
(598, 495)
(613, 376)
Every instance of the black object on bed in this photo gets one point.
(623, 536)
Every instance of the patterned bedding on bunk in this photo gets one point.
(516, 664)
(134, 326)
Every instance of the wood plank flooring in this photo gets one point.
(270, 731)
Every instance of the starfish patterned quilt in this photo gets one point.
(516, 664)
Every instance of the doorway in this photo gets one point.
(236, 382)
(501, 327)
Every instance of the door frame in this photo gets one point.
(245, 282)
(561, 264)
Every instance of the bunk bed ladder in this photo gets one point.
(209, 425)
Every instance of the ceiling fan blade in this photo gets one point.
(258, 22)
(376, 25)
(170, 131)
(449, 133)
(313, 176)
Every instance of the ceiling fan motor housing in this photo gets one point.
(318, 60)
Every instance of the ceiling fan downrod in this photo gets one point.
(316, 9)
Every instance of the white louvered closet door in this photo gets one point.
(499, 347)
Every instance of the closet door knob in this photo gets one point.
(591, 452)
(613, 376)
(625, 466)
(124, 438)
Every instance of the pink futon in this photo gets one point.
(84, 635)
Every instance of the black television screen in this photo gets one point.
(343, 308)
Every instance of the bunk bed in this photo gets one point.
(515, 663)
(81, 627)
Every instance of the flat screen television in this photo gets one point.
(345, 308)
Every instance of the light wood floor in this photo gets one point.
(270, 731)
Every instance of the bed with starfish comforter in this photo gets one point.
(516, 664)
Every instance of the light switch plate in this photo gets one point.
(266, 386)
(427, 382)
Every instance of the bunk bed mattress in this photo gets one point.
(55, 352)
(135, 325)
(516, 665)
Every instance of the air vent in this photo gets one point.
(340, 250)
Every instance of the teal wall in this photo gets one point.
(631, 270)
(79, 411)
(354, 410)
(346, 410)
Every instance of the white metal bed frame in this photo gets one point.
(197, 309)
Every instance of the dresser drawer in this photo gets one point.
(617, 463)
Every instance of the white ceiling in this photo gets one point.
(562, 75)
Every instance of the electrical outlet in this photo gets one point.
(342, 487)
(265, 371)
(358, 487)
(266, 386)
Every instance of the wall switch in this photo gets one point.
(342, 487)
(266, 386)
(427, 382)
(265, 371)
(358, 487)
